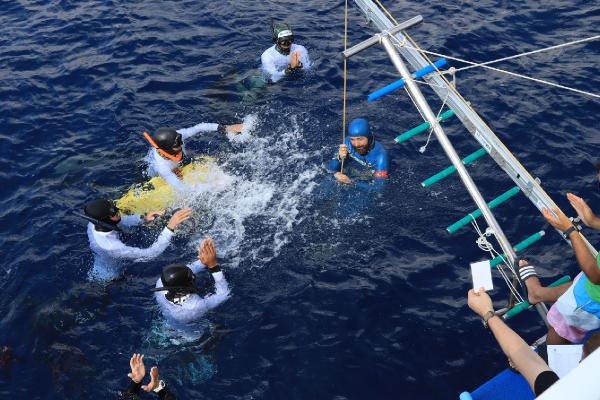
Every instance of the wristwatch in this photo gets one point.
(161, 386)
(486, 318)
(571, 229)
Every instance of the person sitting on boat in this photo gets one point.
(105, 223)
(523, 358)
(360, 152)
(284, 58)
(576, 310)
(166, 156)
(137, 374)
(180, 299)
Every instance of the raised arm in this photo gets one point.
(201, 127)
(584, 212)
(523, 358)
(161, 243)
(208, 256)
(584, 256)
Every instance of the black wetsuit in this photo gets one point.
(133, 393)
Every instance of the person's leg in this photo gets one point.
(555, 338)
(559, 330)
(538, 293)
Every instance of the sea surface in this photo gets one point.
(337, 292)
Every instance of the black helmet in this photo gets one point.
(100, 213)
(282, 30)
(167, 138)
(178, 280)
(283, 36)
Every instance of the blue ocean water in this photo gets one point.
(337, 293)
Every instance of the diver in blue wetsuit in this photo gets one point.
(360, 153)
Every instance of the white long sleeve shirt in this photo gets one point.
(110, 252)
(161, 166)
(274, 63)
(195, 306)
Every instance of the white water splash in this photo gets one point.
(256, 196)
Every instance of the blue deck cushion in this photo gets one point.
(507, 385)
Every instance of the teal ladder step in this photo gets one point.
(452, 169)
(422, 128)
(519, 247)
(477, 213)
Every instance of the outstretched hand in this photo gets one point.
(480, 302)
(235, 128)
(207, 254)
(584, 211)
(179, 217)
(138, 370)
(154, 381)
(560, 221)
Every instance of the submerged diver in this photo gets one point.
(103, 234)
(284, 57)
(177, 294)
(168, 149)
(360, 151)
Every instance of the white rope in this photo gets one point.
(484, 244)
(437, 117)
(528, 53)
(483, 65)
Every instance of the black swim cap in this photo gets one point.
(167, 138)
(178, 280)
(102, 210)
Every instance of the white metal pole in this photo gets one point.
(448, 148)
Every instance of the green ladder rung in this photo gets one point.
(519, 308)
(452, 169)
(477, 213)
(519, 247)
(422, 128)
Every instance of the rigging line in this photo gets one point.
(467, 104)
(545, 82)
(345, 78)
(485, 245)
(558, 46)
(423, 148)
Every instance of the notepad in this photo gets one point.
(482, 275)
(564, 358)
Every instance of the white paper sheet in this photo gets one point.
(482, 275)
(564, 358)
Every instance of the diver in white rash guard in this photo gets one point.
(167, 153)
(176, 291)
(284, 57)
(103, 234)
